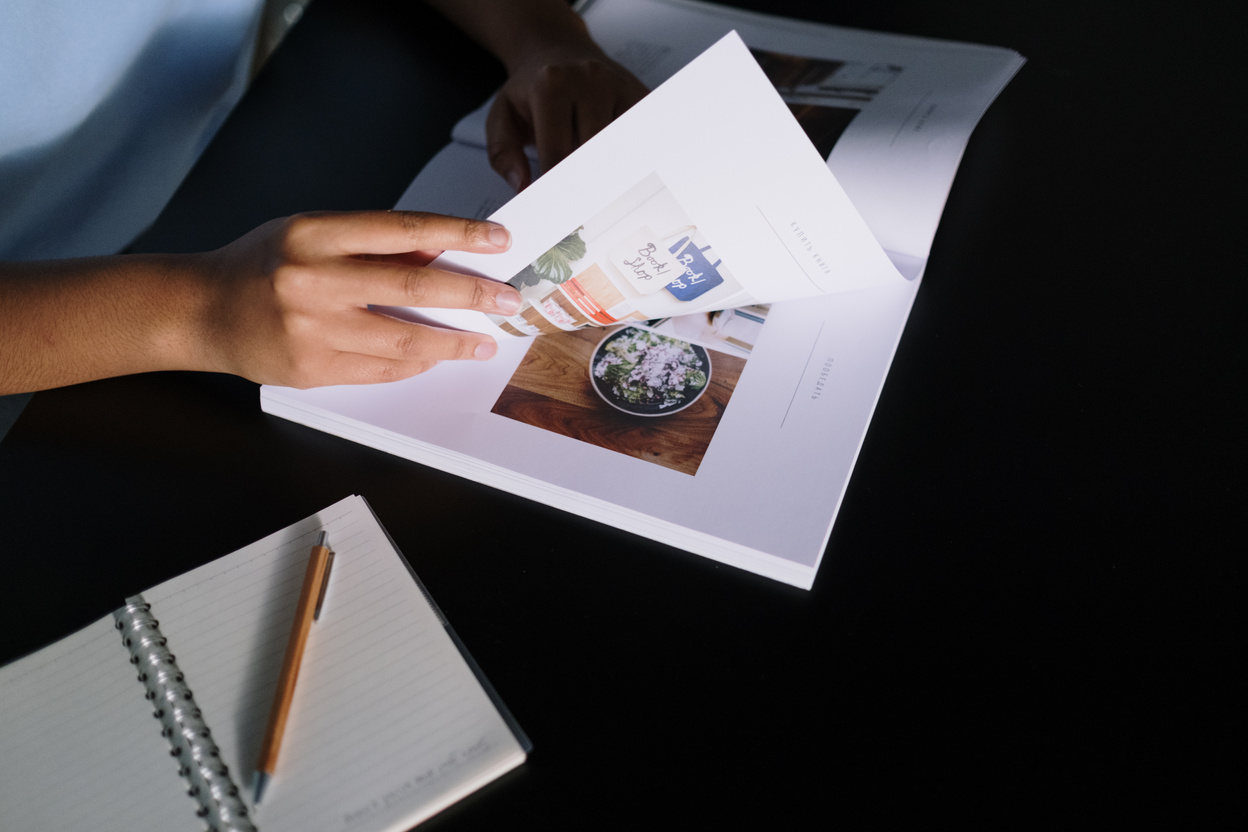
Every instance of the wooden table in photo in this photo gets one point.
(551, 389)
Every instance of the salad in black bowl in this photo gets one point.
(647, 374)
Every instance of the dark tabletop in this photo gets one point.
(1027, 605)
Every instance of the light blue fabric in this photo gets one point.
(104, 107)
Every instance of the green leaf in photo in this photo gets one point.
(556, 264)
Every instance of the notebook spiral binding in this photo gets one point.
(191, 743)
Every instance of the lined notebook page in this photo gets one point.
(388, 723)
(79, 748)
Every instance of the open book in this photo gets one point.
(390, 721)
(726, 271)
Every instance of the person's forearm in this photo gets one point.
(288, 303)
(510, 29)
(68, 321)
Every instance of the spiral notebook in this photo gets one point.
(391, 720)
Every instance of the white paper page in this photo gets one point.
(911, 102)
(388, 723)
(79, 748)
(766, 490)
(711, 160)
(917, 99)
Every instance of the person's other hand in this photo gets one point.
(290, 300)
(555, 99)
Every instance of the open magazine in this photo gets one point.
(720, 305)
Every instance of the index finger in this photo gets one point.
(398, 232)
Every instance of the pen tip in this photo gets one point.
(259, 784)
(322, 538)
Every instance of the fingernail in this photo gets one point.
(485, 350)
(513, 179)
(507, 301)
(499, 237)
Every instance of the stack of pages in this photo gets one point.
(717, 283)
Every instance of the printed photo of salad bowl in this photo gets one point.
(646, 374)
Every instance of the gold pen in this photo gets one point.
(311, 597)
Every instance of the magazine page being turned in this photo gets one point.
(706, 195)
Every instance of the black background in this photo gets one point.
(1029, 606)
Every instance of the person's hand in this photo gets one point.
(556, 99)
(289, 303)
